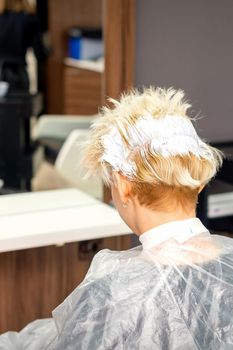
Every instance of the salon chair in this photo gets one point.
(67, 170)
(51, 131)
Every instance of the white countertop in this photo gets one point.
(55, 217)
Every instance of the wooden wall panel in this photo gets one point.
(34, 281)
(31, 285)
(119, 41)
(119, 33)
(82, 91)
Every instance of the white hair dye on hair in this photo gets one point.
(167, 136)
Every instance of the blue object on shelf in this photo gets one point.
(74, 47)
(85, 44)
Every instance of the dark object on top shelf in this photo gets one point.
(91, 33)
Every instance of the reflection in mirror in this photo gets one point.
(74, 78)
(65, 67)
(20, 31)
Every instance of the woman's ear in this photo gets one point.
(123, 186)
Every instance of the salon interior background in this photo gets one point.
(181, 43)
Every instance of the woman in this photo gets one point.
(175, 291)
(19, 31)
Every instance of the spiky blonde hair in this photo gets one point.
(189, 172)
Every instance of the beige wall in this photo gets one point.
(189, 44)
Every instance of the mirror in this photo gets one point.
(65, 68)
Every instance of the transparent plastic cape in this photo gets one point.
(173, 296)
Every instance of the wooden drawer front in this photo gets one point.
(34, 281)
(82, 91)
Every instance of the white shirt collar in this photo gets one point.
(181, 231)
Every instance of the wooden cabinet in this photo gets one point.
(82, 91)
(62, 15)
(34, 281)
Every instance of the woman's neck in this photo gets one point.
(147, 218)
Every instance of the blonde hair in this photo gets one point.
(182, 175)
(16, 6)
